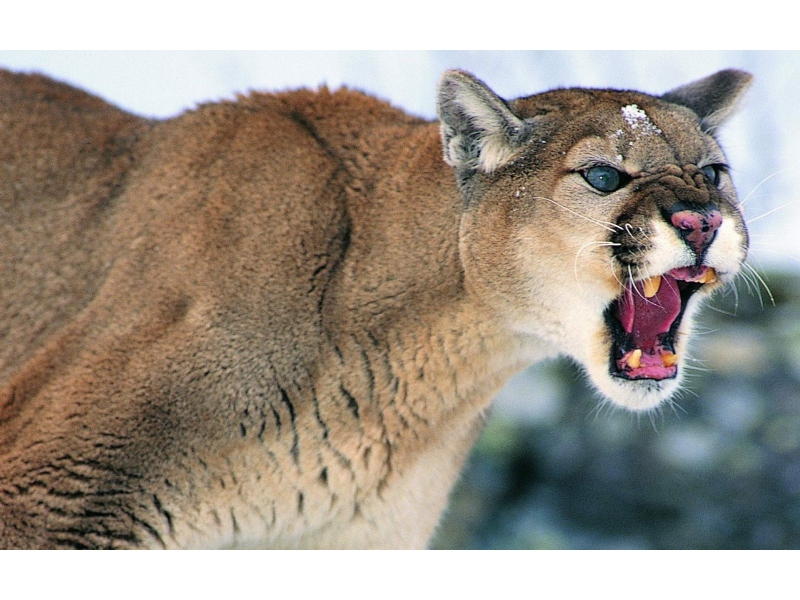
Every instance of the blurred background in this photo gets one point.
(720, 467)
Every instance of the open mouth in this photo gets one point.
(644, 320)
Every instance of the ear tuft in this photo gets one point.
(479, 131)
(713, 98)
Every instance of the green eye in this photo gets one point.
(604, 179)
(712, 174)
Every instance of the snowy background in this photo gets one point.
(724, 470)
(762, 142)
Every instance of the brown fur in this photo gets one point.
(262, 323)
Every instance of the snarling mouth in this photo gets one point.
(644, 321)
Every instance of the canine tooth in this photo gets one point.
(635, 359)
(710, 276)
(650, 286)
(669, 359)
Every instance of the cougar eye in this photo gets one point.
(604, 179)
(712, 174)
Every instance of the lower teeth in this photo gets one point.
(669, 359)
(634, 360)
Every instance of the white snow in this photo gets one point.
(638, 120)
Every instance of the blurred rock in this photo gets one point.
(721, 470)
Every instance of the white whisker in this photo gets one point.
(614, 272)
(763, 181)
(776, 253)
(735, 291)
(689, 380)
(651, 414)
(755, 274)
(720, 311)
(696, 365)
(582, 248)
(751, 284)
(700, 332)
(769, 212)
(633, 287)
(674, 406)
(697, 361)
(605, 225)
(770, 237)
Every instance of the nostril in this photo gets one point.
(705, 222)
(697, 227)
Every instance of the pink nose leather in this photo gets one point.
(697, 228)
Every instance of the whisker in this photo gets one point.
(770, 237)
(752, 285)
(763, 181)
(582, 248)
(769, 212)
(701, 331)
(777, 253)
(735, 292)
(696, 368)
(689, 380)
(633, 287)
(674, 407)
(614, 272)
(602, 405)
(755, 274)
(694, 360)
(655, 301)
(605, 225)
(651, 414)
(720, 311)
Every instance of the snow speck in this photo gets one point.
(638, 120)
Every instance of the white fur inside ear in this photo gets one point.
(479, 131)
(492, 144)
(494, 154)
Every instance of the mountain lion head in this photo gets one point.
(598, 220)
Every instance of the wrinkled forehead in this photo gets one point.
(644, 137)
(656, 133)
(639, 132)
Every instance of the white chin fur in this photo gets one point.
(639, 395)
(635, 395)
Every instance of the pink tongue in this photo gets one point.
(646, 318)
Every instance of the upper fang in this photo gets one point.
(651, 286)
(710, 276)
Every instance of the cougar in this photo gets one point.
(280, 321)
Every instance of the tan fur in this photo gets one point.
(279, 322)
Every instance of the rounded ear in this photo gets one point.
(713, 98)
(479, 131)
